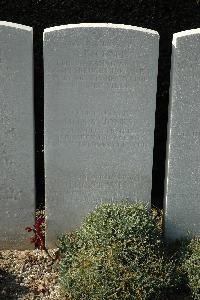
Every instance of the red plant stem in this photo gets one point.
(42, 247)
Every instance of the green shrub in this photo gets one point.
(116, 254)
(191, 266)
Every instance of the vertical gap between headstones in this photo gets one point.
(161, 119)
(39, 117)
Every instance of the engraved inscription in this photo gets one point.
(9, 193)
(7, 118)
(1, 57)
(95, 181)
(96, 128)
(194, 136)
(102, 52)
(7, 72)
(99, 68)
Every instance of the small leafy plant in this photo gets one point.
(116, 254)
(191, 266)
(39, 234)
(119, 253)
(38, 229)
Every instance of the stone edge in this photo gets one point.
(184, 33)
(16, 26)
(99, 25)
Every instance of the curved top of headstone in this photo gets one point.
(100, 25)
(184, 33)
(15, 25)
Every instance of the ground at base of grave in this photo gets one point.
(30, 275)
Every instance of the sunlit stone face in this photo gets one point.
(17, 188)
(100, 97)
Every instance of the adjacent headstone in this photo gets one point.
(17, 191)
(100, 100)
(182, 187)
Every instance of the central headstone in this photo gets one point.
(100, 99)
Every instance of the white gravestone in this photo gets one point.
(182, 186)
(17, 190)
(100, 100)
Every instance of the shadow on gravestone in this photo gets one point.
(182, 183)
(17, 187)
(100, 100)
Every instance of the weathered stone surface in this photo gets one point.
(100, 98)
(16, 136)
(182, 186)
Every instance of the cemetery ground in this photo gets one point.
(30, 275)
(33, 274)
